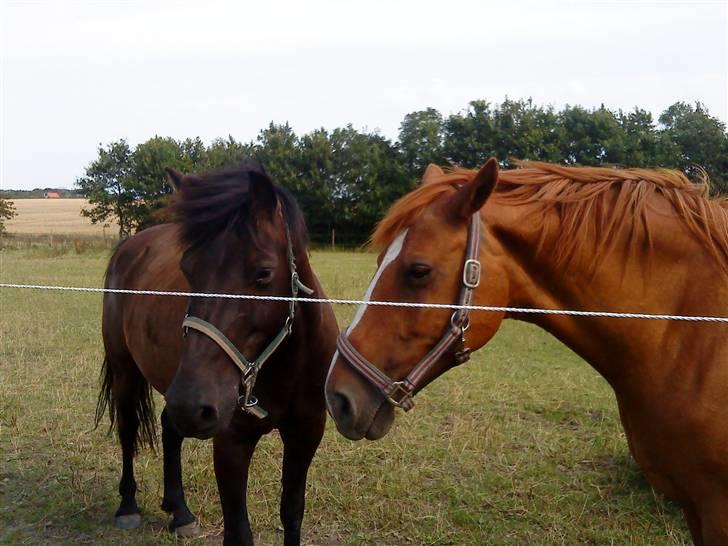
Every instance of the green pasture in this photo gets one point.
(522, 445)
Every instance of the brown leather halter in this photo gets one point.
(400, 393)
(249, 369)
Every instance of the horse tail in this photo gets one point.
(105, 399)
(133, 403)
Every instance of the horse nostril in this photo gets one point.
(208, 415)
(343, 408)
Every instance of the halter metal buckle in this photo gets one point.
(398, 393)
(471, 273)
(248, 402)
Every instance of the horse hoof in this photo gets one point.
(189, 530)
(128, 521)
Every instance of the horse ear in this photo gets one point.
(262, 192)
(472, 196)
(431, 172)
(174, 177)
(184, 182)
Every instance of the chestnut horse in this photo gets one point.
(236, 233)
(555, 237)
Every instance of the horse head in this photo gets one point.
(236, 228)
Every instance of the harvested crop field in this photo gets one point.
(54, 216)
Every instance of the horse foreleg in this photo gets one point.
(694, 525)
(183, 521)
(714, 520)
(232, 455)
(299, 448)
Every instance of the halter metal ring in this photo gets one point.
(466, 321)
(398, 393)
(252, 401)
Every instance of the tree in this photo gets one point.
(525, 131)
(316, 190)
(343, 180)
(640, 139)
(699, 141)
(148, 180)
(7, 212)
(369, 176)
(106, 186)
(421, 138)
(305, 167)
(470, 138)
(515, 129)
(277, 150)
(591, 137)
(192, 155)
(546, 135)
(130, 186)
(226, 152)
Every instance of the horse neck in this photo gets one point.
(316, 328)
(666, 272)
(311, 312)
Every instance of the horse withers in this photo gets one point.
(552, 237)
(229, 369)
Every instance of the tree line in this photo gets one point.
(39, 193)
(345, 179)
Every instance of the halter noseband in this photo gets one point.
(249, 369)
(401, 393)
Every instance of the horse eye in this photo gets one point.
(419, 271)
(264, 276)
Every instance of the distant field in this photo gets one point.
(56, 216)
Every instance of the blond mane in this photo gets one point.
(588, 201)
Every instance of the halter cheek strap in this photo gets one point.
(249, 369)
(401, 393)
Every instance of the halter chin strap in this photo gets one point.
(249, 369)
(401, 393)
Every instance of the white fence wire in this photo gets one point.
(334, 301)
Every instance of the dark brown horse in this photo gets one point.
(242, 367)
(639, 240)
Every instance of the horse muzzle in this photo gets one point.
(358, 410)
(196, 414)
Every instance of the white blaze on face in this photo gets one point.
(392, 252)
(326, 385)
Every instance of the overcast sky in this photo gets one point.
(79, 73)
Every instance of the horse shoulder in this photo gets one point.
(150, 325)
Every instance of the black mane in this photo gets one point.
(209, 204)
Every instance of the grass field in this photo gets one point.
(520, 446)
(57, 216)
